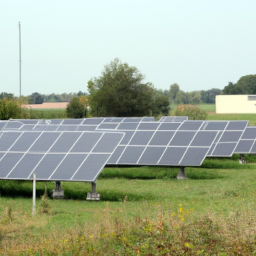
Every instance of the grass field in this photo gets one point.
(142, 211)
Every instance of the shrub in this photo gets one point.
(193, 112)
(9, 108)
(76, 108)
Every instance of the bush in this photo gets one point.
(193, 112)
(9, 108)
(76, 108)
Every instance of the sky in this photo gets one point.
(198, 44)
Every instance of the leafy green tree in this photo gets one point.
(119, 91)
(161, 105)
(76, 108)
(9, 109)
(193, 112)
(181, 98)
(36, 98)
(174, 89)
(6, 95)
(245, 85)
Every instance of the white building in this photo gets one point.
(233, 104)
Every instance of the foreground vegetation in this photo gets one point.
(143, 211)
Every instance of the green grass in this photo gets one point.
(207, 107)
(47, 113)
(129, 197)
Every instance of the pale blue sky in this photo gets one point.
(199, 44)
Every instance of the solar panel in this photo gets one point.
(247, 141)
(173, 118)
(228, 138)
(152, 143)
(56, 155)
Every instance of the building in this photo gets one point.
(235, 104)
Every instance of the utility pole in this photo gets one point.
(20, 59)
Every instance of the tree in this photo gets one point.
(36, 98)
(119, 91)
(76, 108)
(161, 105)
(193, 112)
(9, 109)
(174, 89)
(245, 85)
(181, 98)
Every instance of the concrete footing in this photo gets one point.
(93, 196)
(182, 175)
(58, 192)
(241, 159)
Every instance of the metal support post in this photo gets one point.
(58, 192)
(34, 195)
(93, 196)
(182, 175)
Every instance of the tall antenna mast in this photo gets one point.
(20, 58)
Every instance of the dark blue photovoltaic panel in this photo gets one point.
(93, 121)
(236, 125)
(214, 126)
(190, 125)
(107, 143)
(169, 126)
(230, 136)
(244, 146)
(90, 168)
(68, 166)
(51, 128)
(7, 139)
(127, 126)
(182, 138)
(107, 126)
(161, 138)
(73, 121)
(115, 156)
(8, 162)
(218, 136)
(86, 142)
(211, 149)
(151, 155)
(141, 138)
(86, 128)
(2, 125)
(224, 149)
(172, 156)
(25, 141)
(128, 135)
(47, 165)
(253, 150)
(65, 142)
(44, 142)
(194, 156)
(67, 128)
(25, 166)
(249, 133)
(1, 155)
(132, 120)
(107, 120)
(131, 155)
(148, 119)
(40, 128)
(116, 120)
(27, 127)
(13, 125)
(148, 126)
(204, 138)
(25, 121)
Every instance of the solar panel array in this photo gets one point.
(60, 149)
(72, 156)
(246, 144)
